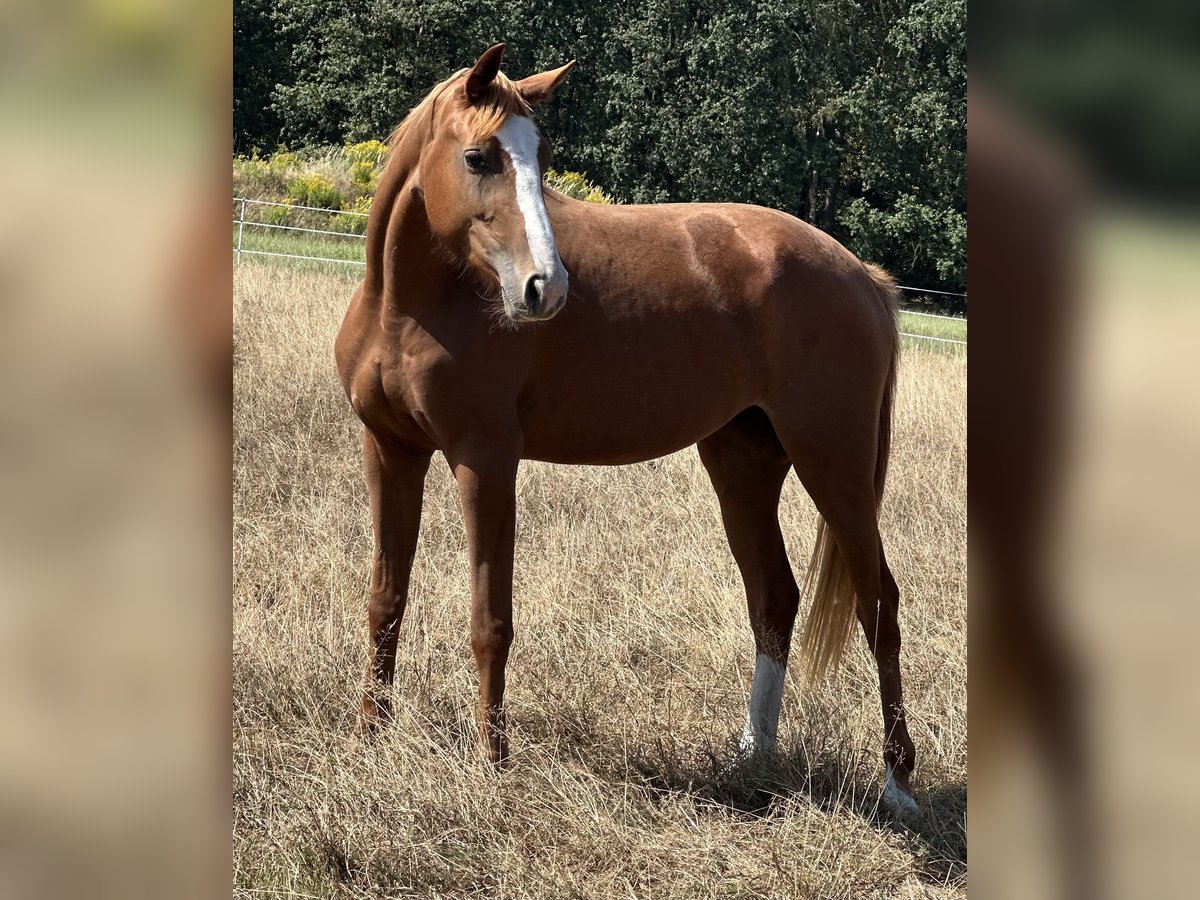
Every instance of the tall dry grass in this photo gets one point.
(627, 682)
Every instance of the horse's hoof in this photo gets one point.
(494, 755)
(896, 796)
(365, 727)
(372, 717)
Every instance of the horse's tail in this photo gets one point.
(831, 616)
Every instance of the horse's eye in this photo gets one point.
(476, 161)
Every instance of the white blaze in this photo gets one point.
(519, 139)
(762, 714)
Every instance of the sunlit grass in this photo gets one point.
(949, 328)
(627, 682)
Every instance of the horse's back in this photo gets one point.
(746, 251)
(778, 279)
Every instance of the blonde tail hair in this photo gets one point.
(831, 617)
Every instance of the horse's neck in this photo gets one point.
(403, 267)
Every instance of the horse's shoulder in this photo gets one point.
(351, 339)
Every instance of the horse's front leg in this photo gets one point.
(396, 484)
(487, 482)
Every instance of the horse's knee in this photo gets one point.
(491, 640)
(384, 607)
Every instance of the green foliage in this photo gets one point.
(314, 189)
(285, 162)
(279, 215)
(349, 223)
(366, 153)
(254, 178)
(260, 63)
(576, 184)
(872, 229)
(851, 116)
(364, 176)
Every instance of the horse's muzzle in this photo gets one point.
(542, 299)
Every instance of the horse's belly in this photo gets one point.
(622, 428)
(610, 391)
(598, 450)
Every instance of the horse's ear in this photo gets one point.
(537, 88)
(484, 72)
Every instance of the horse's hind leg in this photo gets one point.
(396, 484)
(836, 466)
(747, 466)
(880, 624)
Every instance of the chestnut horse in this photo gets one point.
(740, 329)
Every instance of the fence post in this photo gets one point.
(241, 226)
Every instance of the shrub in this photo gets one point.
(364, 176)
(576, 184)
(314, 189)
(253, 177)
(278, 215)
(284, 162)
(332, 166)
(251, 169)
(371, 152)
(352, 224)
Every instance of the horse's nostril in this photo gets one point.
(533, 292)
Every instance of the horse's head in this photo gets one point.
(481, 176)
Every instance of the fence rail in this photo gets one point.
(345, 234)
(917, 290)
(349, 262)
(240, 248)
(913, 312)
(320, 209)
(930, 337)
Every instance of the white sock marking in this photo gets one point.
(895, 797)
(762, 713)
(519, 139)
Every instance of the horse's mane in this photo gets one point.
(500, 100)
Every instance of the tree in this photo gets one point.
(260, 62)
(849, 115)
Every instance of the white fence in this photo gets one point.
(242, 223)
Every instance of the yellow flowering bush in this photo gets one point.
(576, 184)
(254, 178)
(252, 168)
(364, 176)
(314, 189)
(371, 152)
(352, 224)
(278, 215)
(337, 183)
(285, 161)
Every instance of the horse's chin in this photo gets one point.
(518, 315)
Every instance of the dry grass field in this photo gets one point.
(627, 681)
